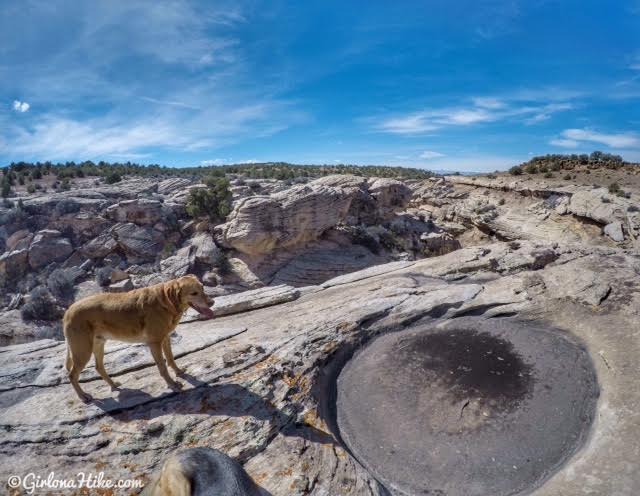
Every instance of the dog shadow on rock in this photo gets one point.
(227, 399)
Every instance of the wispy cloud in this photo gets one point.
(21, 107)
(482, 110)
(430, 154)
(169, 102)
(564, 143)
(59, 137)
(131, 76)
(572, 138)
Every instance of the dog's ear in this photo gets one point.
(173, 293)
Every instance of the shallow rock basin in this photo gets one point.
(473, 407)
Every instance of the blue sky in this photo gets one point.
(457, 85)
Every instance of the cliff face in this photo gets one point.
(261, 383)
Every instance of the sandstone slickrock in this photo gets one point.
(272, 408)
(511, 210)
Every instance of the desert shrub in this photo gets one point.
(633, 208)
(389, 241)
(5, 188)
(31, 188)
(491, 176)
(213, 202)
(103, 276)
(501, 201)
(112, 177)
(222, 263)
(531, 169)
(566, 177)
(543, 169)
(167, 250)
(41, 305)
(61, 283)
(613, 188)
(65, 185)
(548, 175)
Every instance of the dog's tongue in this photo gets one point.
(206, 311)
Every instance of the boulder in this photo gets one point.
(19, 240)
(260, 224)
(99, 246)
(614, 231)
(205, 248)
(140, 244)
(13, 265)
(598, 205)
(140, 211)
(48, 246)
(172, 185)
(121, 286)
(389, 194)
(179, 264)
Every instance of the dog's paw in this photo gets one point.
(180, 371)
(175, 386)
(85, 398)
(115, 386)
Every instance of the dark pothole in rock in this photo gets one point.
(472, 407)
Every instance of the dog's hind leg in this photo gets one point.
(68, 362)
(156, 351)
(168, 354)
(98, 353)
(80, 354)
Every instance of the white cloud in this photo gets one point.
(55, 137)
(621, 140)
(19, 106)
(564, 143)
(410, 124)
(429, 154)
(466, 116)
(483, 110)
(488, 102)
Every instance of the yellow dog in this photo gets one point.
(145, 315)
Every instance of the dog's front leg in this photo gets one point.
(168, 354)
(156, 351)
